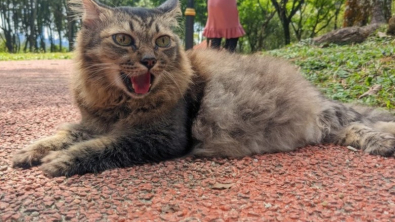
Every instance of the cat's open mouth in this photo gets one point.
(138, 84)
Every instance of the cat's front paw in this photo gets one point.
(29, 156)
(33, 154)
(57, 163)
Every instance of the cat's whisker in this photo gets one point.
(170, 77)
(99, 67)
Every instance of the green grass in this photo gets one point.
(34, 56)
(345, 72)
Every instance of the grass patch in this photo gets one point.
(344, 73)
(34, 56)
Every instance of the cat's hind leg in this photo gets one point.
(388, 127)
(368, 139)
(32, 155)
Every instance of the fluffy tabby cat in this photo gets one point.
(144, 99)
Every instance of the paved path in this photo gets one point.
(327, 183)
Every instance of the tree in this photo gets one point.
(315, 16)
(356, 13)
(9, 19)
(285, 11)
(59, 19)
(338, 6)
(360, 12)
(71, 26)
(381, 11)
(256, 16)
(31, 26)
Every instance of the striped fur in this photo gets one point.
(203, 102)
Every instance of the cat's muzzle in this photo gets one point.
(139, 85)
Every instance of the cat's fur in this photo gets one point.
(207, 103)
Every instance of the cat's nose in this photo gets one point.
(148, 62)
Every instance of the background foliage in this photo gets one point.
(47, 25)
(341, 72)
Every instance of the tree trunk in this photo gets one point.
(347, 35)
(8, 41)
(42, 44)
(282, 11)
(71, 33)
(60, 41)
(378, 12)
(391, 26)
(337, 12)
(356, 13)
(26, 43)
(33, 35)
(17, 43)
(287, 33)
(8, 36)
(7, 29)
(387, 9)
(51, 40)
(70, 27)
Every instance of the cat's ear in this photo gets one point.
(171, 11)
(90, 11)
(169, 5)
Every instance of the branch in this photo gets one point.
(260, 5)
(295, 9)
(268, 19)
(276, 6)
(324, 26)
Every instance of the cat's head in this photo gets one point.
(132, 49)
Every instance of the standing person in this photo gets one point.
(223, 22)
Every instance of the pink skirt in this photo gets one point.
(223, 20)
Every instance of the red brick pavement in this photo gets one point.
(316, 183)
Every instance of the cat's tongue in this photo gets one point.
(141, 83)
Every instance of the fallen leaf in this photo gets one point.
(352, 148)
(222, 186)
(267, 205)
(344, 83)
(170, 208)
(381, 34)
(372, 91)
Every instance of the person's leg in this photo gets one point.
(215, 43)
(231, 44)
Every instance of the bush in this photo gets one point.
(3, 47)
(344, 73)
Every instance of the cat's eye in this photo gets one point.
(163, 41)
(122, 39)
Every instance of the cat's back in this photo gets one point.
(245, 96)
(250, 74)
(214, 64)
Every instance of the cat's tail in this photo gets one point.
(364, 128)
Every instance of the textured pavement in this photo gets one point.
(315, 183)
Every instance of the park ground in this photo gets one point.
(315, 183)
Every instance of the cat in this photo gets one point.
(143, 99)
